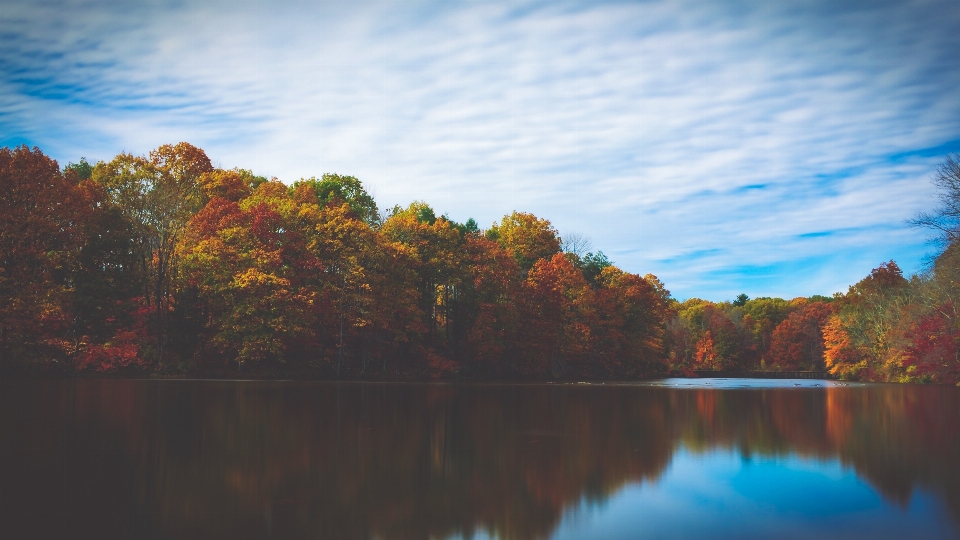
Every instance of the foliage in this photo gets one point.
(336, 189)
(528, 237)
(117, 266)
(798, 343)
(41, 211)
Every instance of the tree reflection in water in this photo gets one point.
(252, 459)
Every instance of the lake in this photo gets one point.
(679, 458)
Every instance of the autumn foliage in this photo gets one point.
(885, 328)
(165, 262)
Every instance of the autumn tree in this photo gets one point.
(250, 262)
(232, 185)
(350, 257)
(338, 189)
(843, 357)
(108, 281)
(629, 332)
(40, 234)
(683, 330)
(797, 342)
(557, 312)
(433, 246)
(761, 316)
(159, 194)
(866, 334)
(528, 237)
(487, 305)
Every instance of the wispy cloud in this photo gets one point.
(766, 148)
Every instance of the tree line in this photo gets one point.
(886, 327)
(166, 263)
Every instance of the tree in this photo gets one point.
(231, 185)
(842, 356)
(82, 170)
(945, 219)
(707, 356)
(885, 279)
(346, 248)
(528, 237)
(797, 342)
(107, 281)
(576, 243)
(434, 249)
(761, 318)
(727, 341)
(556, 318)
(41, 213)
(336, 189)
(631, 315)
(488, 306)
(250, 263)
(933, 352)
(592, 265)
(159, 195)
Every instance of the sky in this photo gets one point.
(767, 148)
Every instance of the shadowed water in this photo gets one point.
(675, 458)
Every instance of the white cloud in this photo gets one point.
(639, 125)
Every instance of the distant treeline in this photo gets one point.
(164, 263)
(885, 328)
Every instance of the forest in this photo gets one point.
(164, 265)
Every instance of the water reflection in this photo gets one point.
(192, 459)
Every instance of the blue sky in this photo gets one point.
(771, 148)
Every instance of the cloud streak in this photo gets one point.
(767, 148)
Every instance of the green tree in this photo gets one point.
(331, 188)
(593, 265)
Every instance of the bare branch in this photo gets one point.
(945, 219)
(576, 243)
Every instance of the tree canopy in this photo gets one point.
(164, 262)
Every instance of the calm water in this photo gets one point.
(672, 459)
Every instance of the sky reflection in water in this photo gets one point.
(674, 458)
(721, 494)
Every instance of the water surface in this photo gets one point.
(666, 459)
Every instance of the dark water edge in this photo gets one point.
(673, 458)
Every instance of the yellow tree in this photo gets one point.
(250, 262)
(346, 247)
(433, 246)
(528, 237)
